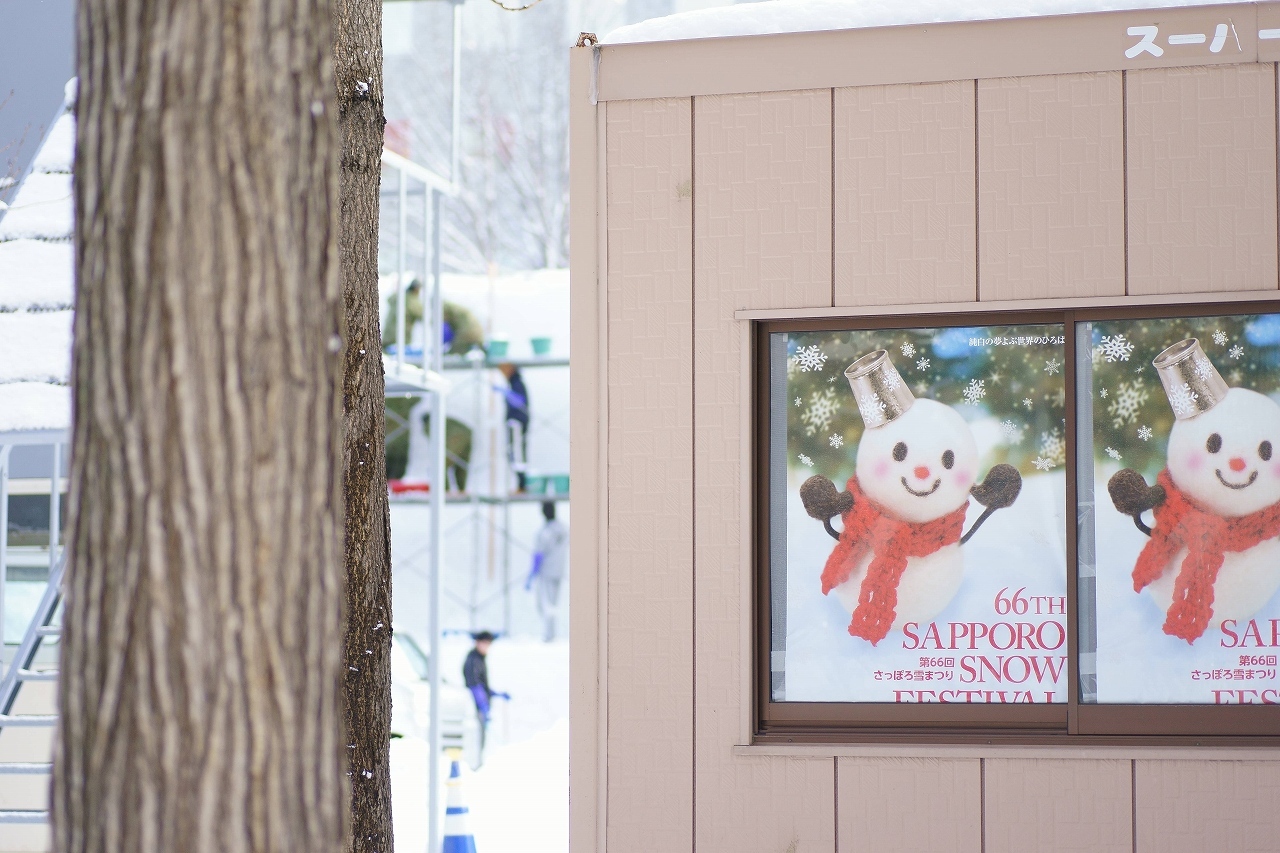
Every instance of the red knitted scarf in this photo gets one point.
(868, 528)
(1207, 537)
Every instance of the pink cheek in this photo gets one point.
(880, 470)
(1275, 469)
(963, 477)
(1194, 462)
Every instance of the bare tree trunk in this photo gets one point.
(367, 691)
(199, 703)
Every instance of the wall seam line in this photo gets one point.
(1124, 171)
(1133, 803)
(977, 201)
(832, 205)
(835, 797)
(982, 804)
(693, 483)
(602, 475)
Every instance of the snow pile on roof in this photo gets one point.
(35, 275)
(36, 290)
(797, 16)
(41, 210)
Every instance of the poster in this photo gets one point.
(917, 491)
(1186, 527)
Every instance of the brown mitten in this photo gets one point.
(1000, 489)
(821, 500)
(1131, 494)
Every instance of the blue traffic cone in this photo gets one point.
(457, 828)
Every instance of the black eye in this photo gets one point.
(1214, 444)
(948, 459)
(899, 452)
(1264, 450)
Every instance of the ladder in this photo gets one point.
(41, 628)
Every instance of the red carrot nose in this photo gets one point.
(1236, 463)
(921, 472)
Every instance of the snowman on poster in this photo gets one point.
(1192, 626)
(915, 592)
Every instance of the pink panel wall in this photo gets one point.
(762, 194)
(650, 579)
(1202, 179)
(1051, 186)
(904, 804)
(1194, 806)
(904, 194)
(1080, 806)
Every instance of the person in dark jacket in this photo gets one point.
(517, 398)
(475, 672)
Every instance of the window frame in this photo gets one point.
(1068, 723)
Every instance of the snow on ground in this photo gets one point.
(796, 16)
(519, 798)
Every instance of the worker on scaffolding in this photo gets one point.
(550, 556)
(517, 398)
(461, 332)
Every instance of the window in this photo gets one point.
(1035, 525)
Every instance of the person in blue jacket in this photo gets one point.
(476, 675)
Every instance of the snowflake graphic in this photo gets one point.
(1059, 397)
(1236, 351)
(1052, 366)
(1144, 432)
(791, 367)
(831, 379)
(1042, 464)
(822, 408)
(974, 391)
(908, 349)
(1103, 393)
(1124, 406)
(1011, 431)
(1113, 453)
(1182, 399)
(1026, 403)
(805, 460)
(1096, 355)
(872, 408)
(1219, 338)
(836, 440)
(810, 358)
(1053, 447)
(922, 389)
(922, 364)
(1203, 368)
(797, 402)
(892, 380)
(1116, 348)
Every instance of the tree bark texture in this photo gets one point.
(367, 690)
(199, 702)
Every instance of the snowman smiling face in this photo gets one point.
(921, 465)
(1224, 459)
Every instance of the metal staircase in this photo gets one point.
(20, 671)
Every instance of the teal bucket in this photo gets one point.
(497, 348)
(541, 346)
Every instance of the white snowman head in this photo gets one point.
(921, 465)
(917, 458)
(1222, 448)
(1226, 458)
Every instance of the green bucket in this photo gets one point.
(497, 348)
(541, 346)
